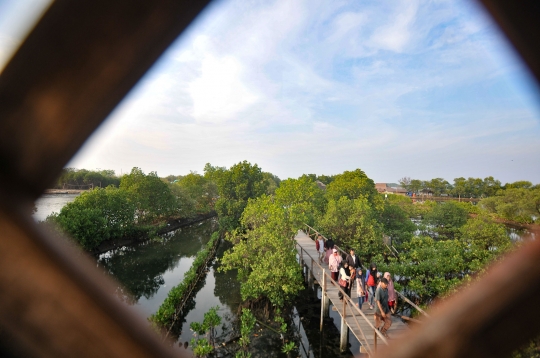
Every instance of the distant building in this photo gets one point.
(390, 188)
(320, 184)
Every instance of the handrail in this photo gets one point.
(399, 293)
(412, 304)
(346, 299)
(325, 239)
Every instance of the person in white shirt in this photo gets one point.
(321, 248)
(343, 275)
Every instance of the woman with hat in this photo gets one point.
(334, 263)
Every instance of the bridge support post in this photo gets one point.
(325, 301)
(344, 338)
(311, 276)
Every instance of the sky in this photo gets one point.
(422, 89)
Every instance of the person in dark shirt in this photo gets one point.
(382, 311)
(352, 259)
(329, 244)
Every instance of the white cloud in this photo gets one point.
(395, 34)
(323, 87)
(219, 93)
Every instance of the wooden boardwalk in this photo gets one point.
(356, 322)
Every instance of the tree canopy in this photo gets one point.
(264, 253)
(236, 186)
(150, 195)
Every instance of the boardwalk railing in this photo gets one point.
(347, 302)
(313, 233)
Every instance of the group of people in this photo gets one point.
(378, 291)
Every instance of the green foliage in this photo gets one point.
(483, 241)
(96, 216)
(303, 196)
(446, 219)
(468, 206)
(438, 186)
(247, 322)
(186, 206)
(463, 188)
(428, 268)
(273, 182)
(522, 184)
(521, 205)
(73, 178)
(213, 173)
(529, 350)
(200, 190)
(150, 195)
(415, 185)
(396, 223)
(236, 186)
(420, 209)
(352, 223)
(354, 185)
(165, 314)
(201, 347)
(242, 354)
(264, 254)
(288, 347)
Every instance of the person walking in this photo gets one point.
(321, 248)
(352, 279)
(329, 244)
(360, 287)
(344, 279)
(392, 295)
(352, 259)
(383, 319)
(371, 281)
(334, 263)
(327, 255)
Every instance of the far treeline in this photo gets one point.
(259, 214)
(431, 248)
(464, 188)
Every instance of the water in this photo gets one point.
(50, 203)
(521, 233)
(149, 270)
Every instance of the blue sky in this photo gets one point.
(422, 89)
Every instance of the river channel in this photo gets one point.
(146, 272)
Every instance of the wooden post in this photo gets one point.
(325, 301)
(344, 339)
(375, 340)
(311, 275)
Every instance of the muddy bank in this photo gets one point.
(533, 228)
(64, 191)
(173, 224)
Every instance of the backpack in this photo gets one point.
(317, 244)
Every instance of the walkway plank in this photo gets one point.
(306, 247)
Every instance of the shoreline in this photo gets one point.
(63, 191)
(172, 225)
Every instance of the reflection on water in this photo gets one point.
(313, 342)
(149, 270)
(51, 203)
(520, 233)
